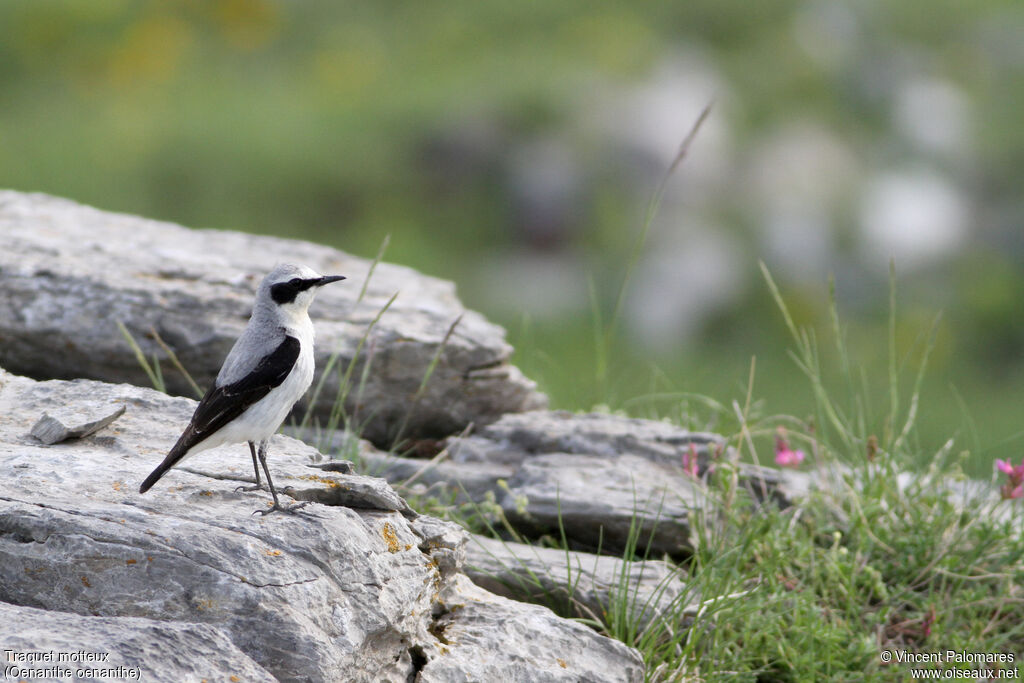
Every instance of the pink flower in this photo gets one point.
(1014, 487)
(784, 455)
(1010, 493)
(690, 461)
(1015, 473)
(928, 622)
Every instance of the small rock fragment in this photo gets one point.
(72, 423)
(340, 466)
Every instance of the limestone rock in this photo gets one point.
(598, 476)
(605, 503)
(354, 589)
(589, 586)
(69, 273)
(491, 638)
(111, 648)
(516, 437)
(602, 479)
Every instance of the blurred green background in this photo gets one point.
(513, 147)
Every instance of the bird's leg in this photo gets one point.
(277, 504)
(255, 466)
(256, 469)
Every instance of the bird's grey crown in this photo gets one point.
(282, 274)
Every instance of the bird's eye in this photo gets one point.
(295, 282)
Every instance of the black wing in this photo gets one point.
(223, 404)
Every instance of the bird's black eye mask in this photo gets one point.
(285, 292)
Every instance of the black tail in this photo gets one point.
(179, 451)
(154, 476)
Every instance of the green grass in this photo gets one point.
(828, 585)
(864, 566)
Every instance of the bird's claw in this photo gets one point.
(282, 508)
(254, 487)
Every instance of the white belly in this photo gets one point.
(262, 419)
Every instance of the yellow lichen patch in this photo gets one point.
(561, 663)
(272, 553)
(204, 604)
(433, 578)
(206, 493)
(321, 480)
(85, 582)
(388, 532)
(130, 561)
(118, 485)
(234, 678)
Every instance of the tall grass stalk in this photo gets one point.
(333, 359)
(173, 357)
(605, 336)
(337, 416)
(421, 390)
(152, 370)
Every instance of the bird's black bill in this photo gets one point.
(285, 292)
(328, 279)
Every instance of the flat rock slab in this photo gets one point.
(118, 649)
(603, 504)
(608, 482)
(517, 437)
(588, 586)
(353, 590)
(69, 273)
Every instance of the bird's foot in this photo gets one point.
(254, 487)
(282, 508)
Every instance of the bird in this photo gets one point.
(267, 370)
